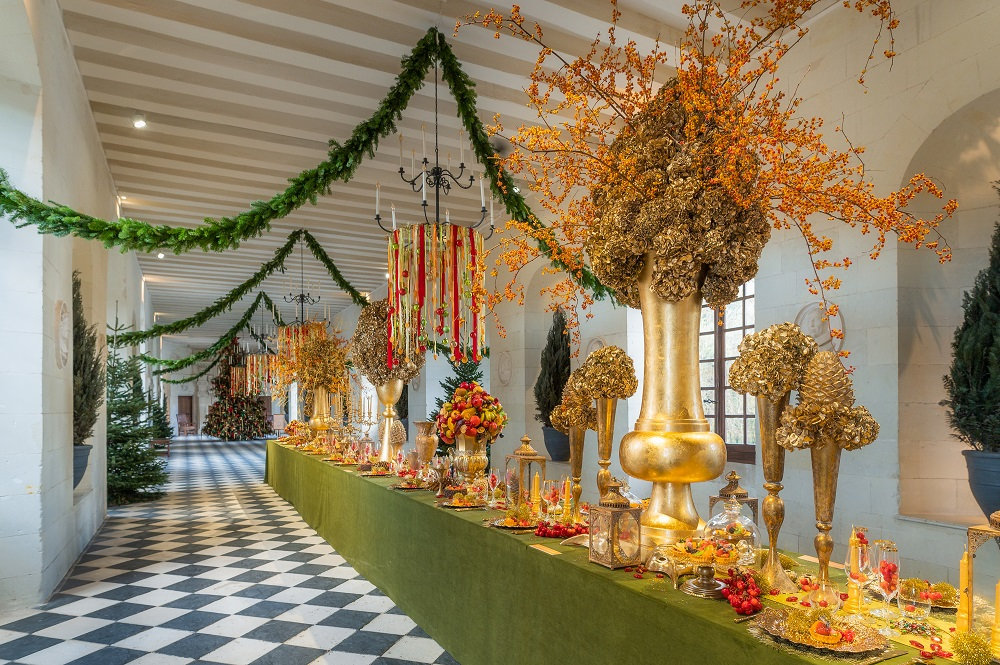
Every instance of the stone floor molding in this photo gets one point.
(219, 571)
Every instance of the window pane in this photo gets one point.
(733, 340)
(751, 405)
(748, 287)
(707, 319)
(734, 315)
(752, 431)
(734, 431)
(749, 312)
(708, 399)
(706, 347)
(707, 374)
(729, 366)
(734, 403)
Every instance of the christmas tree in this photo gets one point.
(234, 416)
(88, 371)
(156, 416)
(554, 370)
(463, 372)
(134, 470)
(973, 383)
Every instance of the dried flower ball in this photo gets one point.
(772, 361)
(371, 344)
(608, 372)
(576, 409)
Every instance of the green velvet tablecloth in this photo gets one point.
(489, 598)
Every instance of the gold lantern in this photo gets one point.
(615, 530)
(528, 462)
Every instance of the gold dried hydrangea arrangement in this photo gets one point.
(826, 411)
(772, 361)
(701, 237)
(576, 409)
(371, 344)
(317, 359)
(608, 372)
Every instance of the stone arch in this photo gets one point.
(962, 154)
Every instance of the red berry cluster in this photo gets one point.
(742, 592)
(935, 650)
(639, 571)
(556, 530)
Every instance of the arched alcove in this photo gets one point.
(963, 155)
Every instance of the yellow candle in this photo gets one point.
(995, 641)
(962, 619)
(535, 491)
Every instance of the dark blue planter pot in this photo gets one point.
(556, 444)
(984, 478)
(81, 455)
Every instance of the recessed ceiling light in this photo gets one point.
(160, 255)
(138, 120)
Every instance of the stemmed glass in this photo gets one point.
(858, 569)
(888, 582)
(550, 494)
(492, 482)
(874, 549)
(440, 466)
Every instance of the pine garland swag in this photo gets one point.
(234, 416)
(342, 162)
(973, 382)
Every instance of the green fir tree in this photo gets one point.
(88, 371)
(156, 416)
(234, 416)
(134, 471)
(555, 370)
(973, 382)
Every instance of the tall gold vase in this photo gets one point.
(388, 394)
(606, 407)
(576, 438)
(773, 460)
(825, 459)
(672, 445)
(320, 421)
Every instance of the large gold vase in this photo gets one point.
(470, 456)
(388, 394)
(773, 460)
(426, 440)
(576, 439)
(672, 445)
(320, 421)
(606, 407)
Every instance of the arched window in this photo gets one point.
(731, 414)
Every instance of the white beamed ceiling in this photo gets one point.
(242, 94)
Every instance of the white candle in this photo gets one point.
(413, 157)
(482, 194)
(401, 150)
(491, 211)
(423, 184)
(393, 216)
(423, 139)
(447, 216)
(461, 146)
(378, 189)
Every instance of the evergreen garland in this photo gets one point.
(342, 162)
(973, 382)
(234, 416)
(88, 371)
(134, 470)
(188, 379)
(555, 370)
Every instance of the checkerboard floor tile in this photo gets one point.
(221, 571)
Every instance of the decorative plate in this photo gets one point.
(498, 523)
(376, 474)
(406, 488)
(461, 505)
(772, 622)
(345, 463)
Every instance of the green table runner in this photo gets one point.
(488, 597)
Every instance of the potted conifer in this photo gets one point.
(549, 387)
(973, 382)
(88, 383)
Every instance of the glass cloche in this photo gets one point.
(735, 534)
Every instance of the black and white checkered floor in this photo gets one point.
(220, 570)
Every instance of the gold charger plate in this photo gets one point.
(772, 622)
(404, 488)
(376, 475)
(498, 523)
(452, 506)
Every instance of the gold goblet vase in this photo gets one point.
(773, 460)
(388, 394)
(606, 407)
(470, 456)
(825, 458)
(672, 445)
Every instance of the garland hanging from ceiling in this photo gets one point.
(342, 162)
(193, 377)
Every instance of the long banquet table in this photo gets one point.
(489, 598)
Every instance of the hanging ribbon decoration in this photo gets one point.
(435, 292)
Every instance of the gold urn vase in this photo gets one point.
(672, 445)
(773, 461)
(320, 421)
(426, 440)
(825, 458)
(576, 438)
(606, 407)
(470, 456)
(388, 394)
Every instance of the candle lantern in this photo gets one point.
(524, 462)
(733, 491)
(615, 538)
(977, 535)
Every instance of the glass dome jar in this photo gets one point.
(735, 534)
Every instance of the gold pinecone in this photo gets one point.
(826, 381)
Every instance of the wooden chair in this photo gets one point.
(278, 423)
(184, 426)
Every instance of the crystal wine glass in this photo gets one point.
(887, 575)
(550, 494)
(858, 569)
(871, 584)
(492, 482)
